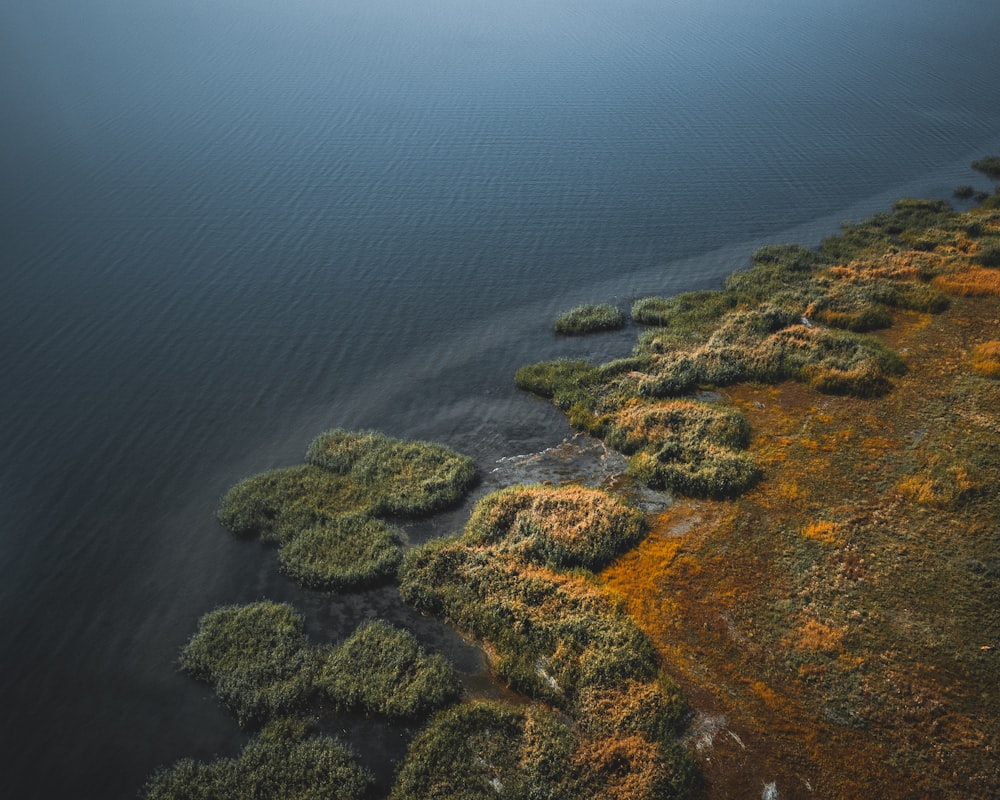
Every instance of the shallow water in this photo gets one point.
(225, 227)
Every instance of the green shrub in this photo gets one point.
(590, 319)
(347, 553)
(405, 478)
(278, 505)
(989, 166)
(487, 750)
(257, 657)
(568, 382)
(559, 527)
(989, 255)
(963, 192)
(687, 314)
(282, 763)
(384, 670)
(654, 708)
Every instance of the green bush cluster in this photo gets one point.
(485, 750)
(590, 318)
(322, 514)
(263, 666)
(558, 527)
(283, 762)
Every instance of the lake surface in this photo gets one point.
(227, 226)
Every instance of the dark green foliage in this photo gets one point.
(559, 527)
(963, 192)
(400, 477)
(989, 166)
(257, 657)
(553, 634)
(384, 670)
(590, 319)
(566, 381)
(347, 553)
(484, 751)
(263, 666)
(283, 762)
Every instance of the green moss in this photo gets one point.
(283, 762)
(384, 670)
(590, 319)
(559, 527)
(347, 553)
(263, 666)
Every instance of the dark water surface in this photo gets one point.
(226, 226)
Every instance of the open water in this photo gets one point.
(226, 226)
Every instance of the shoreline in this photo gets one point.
(625, 404)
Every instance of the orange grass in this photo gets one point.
(970, 282)
(985, 359)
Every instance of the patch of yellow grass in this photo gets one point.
(823, 531)
(985, 359)
(971, 282)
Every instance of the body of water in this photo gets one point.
(225, 227)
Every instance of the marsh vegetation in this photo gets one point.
(590, 319)
(325, 515)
